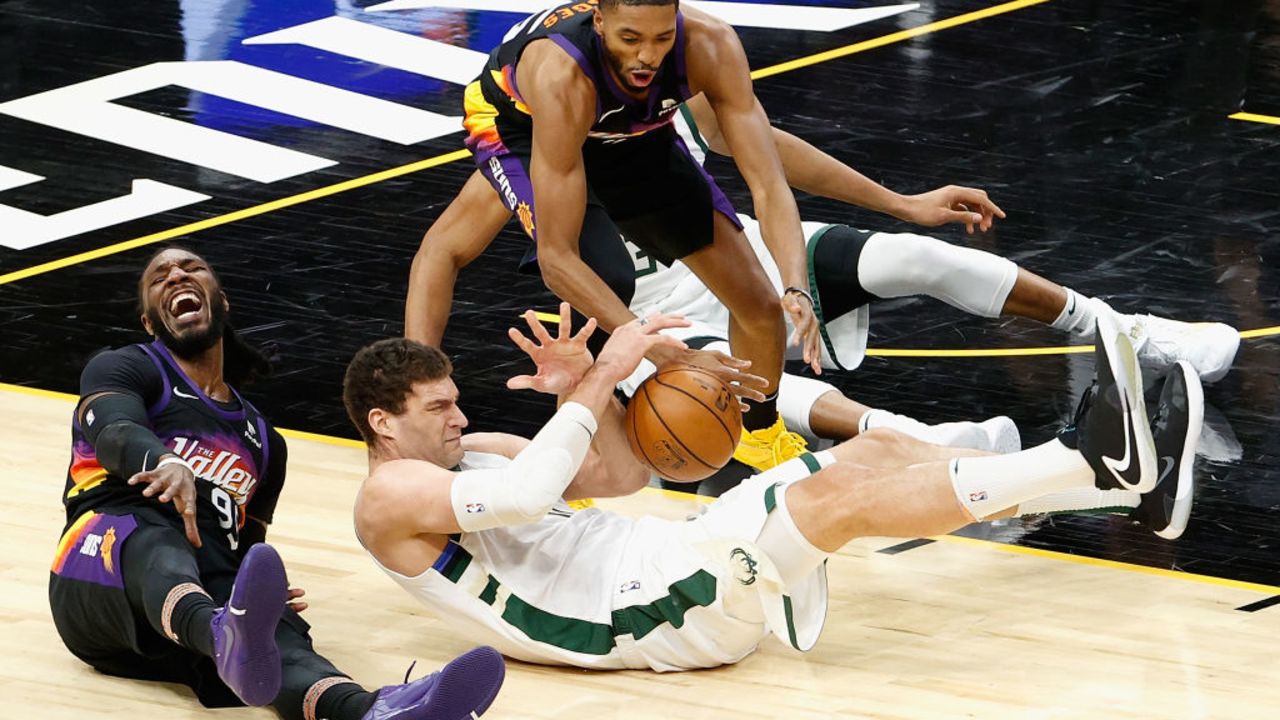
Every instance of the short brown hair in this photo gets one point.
(383, 374)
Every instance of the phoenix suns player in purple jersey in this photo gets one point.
(570, 122)
(162, 572)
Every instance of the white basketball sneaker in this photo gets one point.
(1161, 343)
(998, 434)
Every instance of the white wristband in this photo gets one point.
(171, 460)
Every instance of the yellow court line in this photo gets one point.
(1084, 560)
(233, 216)
(459, 154)
(1254, 117)
(295, 434)
(893, 38)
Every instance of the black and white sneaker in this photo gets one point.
(1176, 427)
(1112, 430)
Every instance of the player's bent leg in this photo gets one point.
(902, 264)
(757, 332)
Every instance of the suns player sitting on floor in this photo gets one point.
(851, 268)
(474, 526)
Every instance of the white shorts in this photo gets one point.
(599, 590)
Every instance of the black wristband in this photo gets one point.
(800, 291)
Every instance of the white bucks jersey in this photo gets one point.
(593, 589)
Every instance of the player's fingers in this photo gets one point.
(726, 359)
(537, 328)
(295, 593)
(566, 322)
(521, 341)
(171, 490)
(141, 477)
(298, 606)
(587, 330)
(661, 321)
(155, 486)
(188, 511)
(666, 341)
(520, 382)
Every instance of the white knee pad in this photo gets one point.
(796, 397)
(901, 264)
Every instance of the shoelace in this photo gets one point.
(788, 445)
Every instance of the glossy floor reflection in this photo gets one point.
(1102, 128)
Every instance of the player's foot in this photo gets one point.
(244, 630)
(462, 690)
(998, 434)
(769, 447)
(1161, 343)
(1111, 426)
(1176, 427)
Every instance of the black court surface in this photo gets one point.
(305, 146)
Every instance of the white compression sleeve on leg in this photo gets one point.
(900, 264)
(524, 490)
(796, 397)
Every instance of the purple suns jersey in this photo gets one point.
(497, 117)
(237, 457)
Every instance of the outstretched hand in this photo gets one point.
(629, 344)
(175, 482)
(953, 204)
(808, 335)
(732, 371)
(561, 361)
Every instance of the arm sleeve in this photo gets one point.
(262, 506)
(114, 419)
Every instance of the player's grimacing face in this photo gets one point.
(182, 302)
(432, 423)
(636, 39)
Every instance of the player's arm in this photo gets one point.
(563, 102)
(462, 232)
(261, 508)
(115, 389)
(411, 497)
(813, 171)
(717, 67)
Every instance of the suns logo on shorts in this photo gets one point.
(744, 566)
(525, 213)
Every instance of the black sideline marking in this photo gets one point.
(1261, 604)
(903, 547)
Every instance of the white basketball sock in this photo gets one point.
(986, 485)
(1078, 314)
(1080, 499)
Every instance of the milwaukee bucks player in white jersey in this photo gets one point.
(474, 527)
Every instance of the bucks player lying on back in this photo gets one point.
(162, 572)
(474, 526)
(851, 268)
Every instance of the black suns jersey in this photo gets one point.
(237, 457)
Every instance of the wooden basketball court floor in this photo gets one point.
(1136, 148)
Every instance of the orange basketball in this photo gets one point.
(684, 423)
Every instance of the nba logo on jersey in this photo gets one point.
(978, 496)
(475, 508)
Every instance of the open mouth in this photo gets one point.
(641, 78)
(186, 306)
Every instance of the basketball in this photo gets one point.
(683, 423)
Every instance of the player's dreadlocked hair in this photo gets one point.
(241, 362)
(383, 374)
